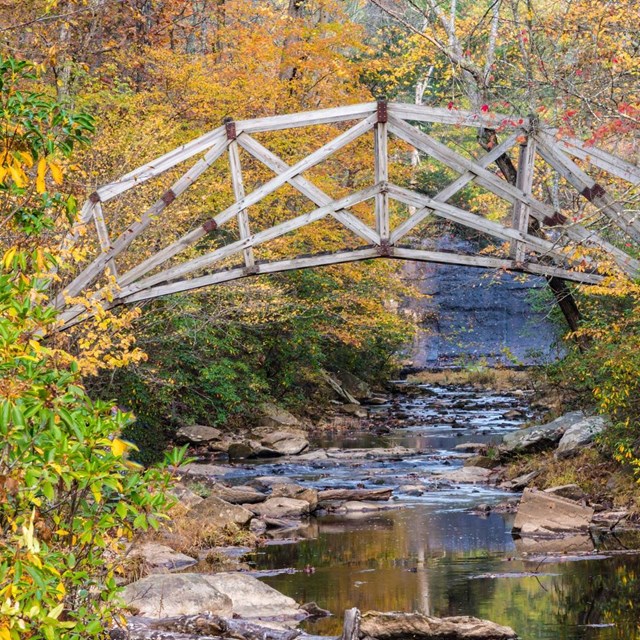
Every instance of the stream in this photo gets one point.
(430, 552)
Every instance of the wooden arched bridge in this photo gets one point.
(539, 239)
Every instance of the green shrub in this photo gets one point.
(69, 497)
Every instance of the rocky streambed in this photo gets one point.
(405, 510)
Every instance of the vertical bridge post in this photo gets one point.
(382, 173)
(238, 190)
(524, 182)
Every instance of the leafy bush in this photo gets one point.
(68, 495)
(606, 372)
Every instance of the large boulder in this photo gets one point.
(214, 511)
(168, 595)
(398, 626)
(238, 495)
(287, 441)
(273, 416)
(353, 385)
(197, 434)
(539, 437)
(254, 599)
(540, 512)
(281, 507)
(580, 435)
(160, 558)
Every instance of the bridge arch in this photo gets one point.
(538, 240)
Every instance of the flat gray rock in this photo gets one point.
(275, 416)
(254, 599)
(542, 513)
(214, 511)
(467, 475)
(160, 558)
(197, 434)
(281, 507)
(239, 494)
(168, 595)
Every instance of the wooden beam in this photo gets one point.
(542, 212)
(381, 171)
(160, 165)
(423, 113)
(258, 238)
(597, 157)
(307, 188)
(260, 268)
(449, 191)
(238, 190)
(524, 182)
(90, 273)
(354, 256)
(472, 221)
(589, 189)
(306, 118)
(255, 196)
(488, 262)
(103, 236)
(73, 316)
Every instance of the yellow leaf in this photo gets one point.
(119, 446)
(56, 172)
(41, 186)
(56, 611)
(5, 634)
(25, 157)
(18, 176)
(8, 257)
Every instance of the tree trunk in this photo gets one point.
(488, 139)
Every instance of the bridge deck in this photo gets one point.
(541, 240)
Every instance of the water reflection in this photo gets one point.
(457, 564)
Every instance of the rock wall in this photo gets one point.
(473, 314)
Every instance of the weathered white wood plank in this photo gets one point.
(229, 250)
(235, 274)
(495, 229)
(306, 118)
(449, 191)
(520, 215)
(597, 157)
(238, 190)
(381, 170)
(103, 236)
(489, 262)
(307, 188)
(589, 189)
(160, 165)
(424, 113)
(91, 272)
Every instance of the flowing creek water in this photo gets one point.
(430, 553)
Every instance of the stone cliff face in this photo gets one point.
(473, 314)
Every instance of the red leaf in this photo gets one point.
(484, 108)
